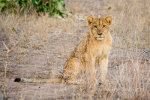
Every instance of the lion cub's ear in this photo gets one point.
(90, 20)
(109, 19)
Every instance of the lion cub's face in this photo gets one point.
(99, 27)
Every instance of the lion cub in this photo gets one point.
(92, 52)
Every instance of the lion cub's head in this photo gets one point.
(99, 27)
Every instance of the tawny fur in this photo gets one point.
(91, 52)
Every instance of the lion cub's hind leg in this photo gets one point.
(72, 68)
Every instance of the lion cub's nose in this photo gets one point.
(99, 33)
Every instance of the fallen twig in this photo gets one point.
(8, 50)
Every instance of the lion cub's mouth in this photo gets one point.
(100, 38)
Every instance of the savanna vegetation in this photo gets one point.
(52, 7)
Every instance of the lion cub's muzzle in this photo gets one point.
(100, 36)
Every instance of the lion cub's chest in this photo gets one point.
(102, 50)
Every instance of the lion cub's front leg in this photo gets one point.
(90, 68)
(103, 68)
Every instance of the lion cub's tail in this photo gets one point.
(55, 80)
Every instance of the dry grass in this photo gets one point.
(43, 45)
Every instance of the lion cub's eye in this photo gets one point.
(95, 26)
(104, 26)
